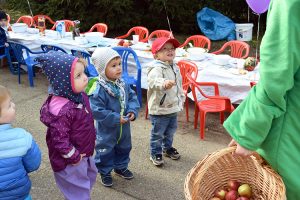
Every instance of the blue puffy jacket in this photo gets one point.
(19, 155)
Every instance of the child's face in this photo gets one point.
(8, 112)
(166, 53)
(3, 22)
(113, 70)
(80, 79)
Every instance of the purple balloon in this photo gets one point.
(259, 6)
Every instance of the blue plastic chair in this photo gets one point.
(90, 69)
(46, 48)
(131, 80)
(29, 61)
(4, 52)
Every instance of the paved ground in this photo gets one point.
(150, 182)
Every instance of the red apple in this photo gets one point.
(126, 44)
(245, 190)
(220, 194)
(121, 43)
(233, 185)
(231, 195)
(242, 198)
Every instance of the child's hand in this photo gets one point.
(130, 116)
(6, 44)
(123, 120)
(241, 151)
(81, 156)
(168, 84)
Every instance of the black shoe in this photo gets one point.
(157, 159)
(172, 153)
(106, 180)
(124, 173)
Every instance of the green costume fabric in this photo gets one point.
(268, 120)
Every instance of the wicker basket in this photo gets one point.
(215, 170)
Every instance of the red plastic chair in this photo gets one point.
(138, 30)
(8, 22)
(8, 18)
(198, 41)
(47, 18)
(100, 27)
(239, 49)
(160, 33)
(252, 84)
(187, 67)
(26, 19)
(68, 24)
(212, 104)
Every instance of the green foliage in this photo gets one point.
(120, 15)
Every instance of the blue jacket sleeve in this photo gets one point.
(133, 105)
(32, 159)
(100, 113)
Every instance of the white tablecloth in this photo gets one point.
(34, 41)
(231, 83)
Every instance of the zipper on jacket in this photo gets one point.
(163, 99)
(81, 106)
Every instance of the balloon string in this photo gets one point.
(168, 18)
(29, 8)
(257, 38)
(248, 14)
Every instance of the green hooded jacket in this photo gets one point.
(268, 120)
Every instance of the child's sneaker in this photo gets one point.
(157, 159)
(124, 173)
(172, 153)
(106, 180)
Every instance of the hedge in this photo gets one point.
(120, 15)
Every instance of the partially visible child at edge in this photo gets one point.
(70, 126)
(267, 121)
(3, 31)
(114, 104)
(165, 98)
(19, 154)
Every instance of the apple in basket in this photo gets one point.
(220, 194)
(250, 63)
(215, 198)
(233, 185)
(232, 195)
(245, 191)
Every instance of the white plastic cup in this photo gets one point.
(135, 39)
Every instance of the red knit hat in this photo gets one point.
(160, 42)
